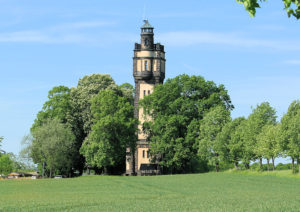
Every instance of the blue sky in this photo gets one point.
(49, 43)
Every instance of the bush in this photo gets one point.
(281, 166)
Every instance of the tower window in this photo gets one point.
(148, 154)
(144, 93)
(144, 153)
(146, 65)
(148, 92)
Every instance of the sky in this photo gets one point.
(50, 43)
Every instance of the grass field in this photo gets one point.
(198, 192)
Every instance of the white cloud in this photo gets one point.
(62, 33)
(189, 38)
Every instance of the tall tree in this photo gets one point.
(267, 143)
(53, 143)
(210, 126)
(230, 141)
(114, 130)
(262, 115)
(175, 108)
(87, 88)
(290, 125)
(292, 7)
(80, 118)
(1, 151)
(6, 164)
(57, 106)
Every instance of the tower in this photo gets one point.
(148, 71)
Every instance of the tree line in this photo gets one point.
(91, 125)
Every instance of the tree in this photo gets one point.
(262, 115)
(290, 126)
(175, 109)
(80, 118)
(267, 143)
(210, 126)
(6, 164)
(53, 143)
(1, 151)
(114, 130)
(58, 106)
(292, 7)
(230, 141)
(81, 96)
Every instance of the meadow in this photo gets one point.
(228, 191)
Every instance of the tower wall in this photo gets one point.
(148, 71)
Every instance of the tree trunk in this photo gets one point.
(133, 164)
(217, 166)
(298, 163)
(260, 164)
(268, 162)
(105, 170)
(293, 168)
(273, 162)
(247, 165)
(236, 165)
(50, 173)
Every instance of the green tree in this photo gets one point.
(268, 143)
(210, 148)
(175, 109)
(57, 106)
(80, 119)
(262, 115)
(290, 126)
(53, 143)
(1, 151)
(81, 96)
(114, 130)
(230, 142)
(292, 7)
(6, 164)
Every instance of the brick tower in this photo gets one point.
(148, 71)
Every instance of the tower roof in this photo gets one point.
(147, 25)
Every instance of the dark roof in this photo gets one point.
(146, 25)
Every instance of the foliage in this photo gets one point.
(176, 108)
(281, 166)
(6, 164)
(197, 192)
(268, 142)
(290, 126)
(231, 142)
(53, 144)
(58, 106)
(114, 129)
(262, 115)
(1, 139)
(81, 96)
(210, 148)
(292, 7)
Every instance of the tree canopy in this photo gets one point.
(176, 109)
(292, 7)
(114, 130)
(53, 144)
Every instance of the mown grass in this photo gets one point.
(198, 192)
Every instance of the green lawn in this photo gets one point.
(198, 192)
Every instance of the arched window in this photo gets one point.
(143, 153)
(146, 65)
(148, 154)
